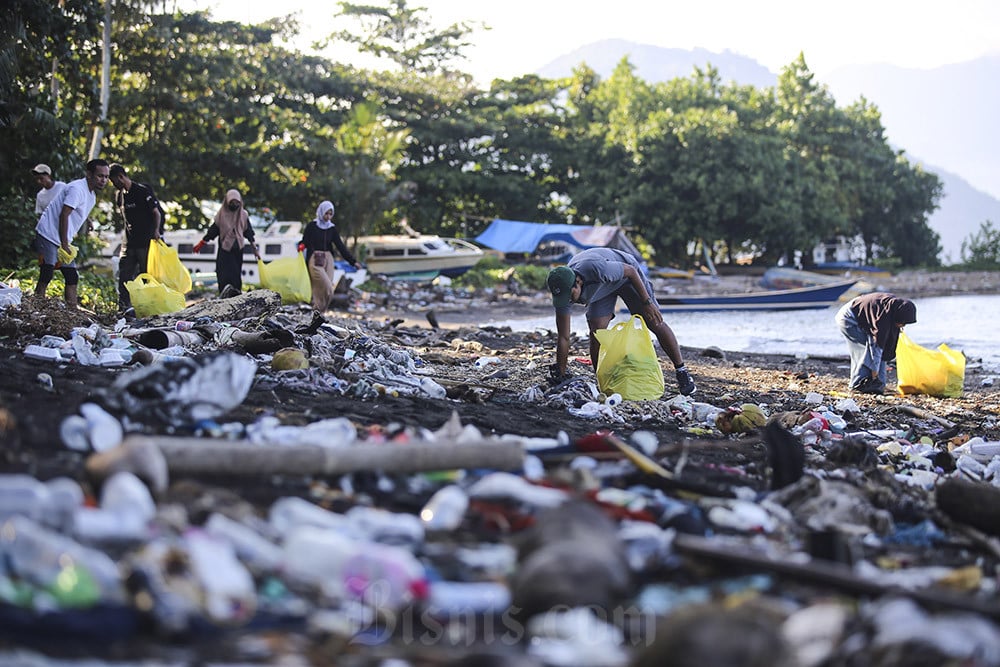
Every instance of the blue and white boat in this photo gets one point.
(802, 298)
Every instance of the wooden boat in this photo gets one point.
(802, 298)
(419, 254)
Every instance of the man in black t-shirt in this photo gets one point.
(143, 224)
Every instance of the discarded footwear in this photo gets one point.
(228, 292)
(685, 383)
(128, 314)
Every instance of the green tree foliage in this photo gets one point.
(981, 250)
(46, 100)
(372, 152)
(202, 106)
(403, 35)
(199, 106)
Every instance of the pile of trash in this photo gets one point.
(760, 534)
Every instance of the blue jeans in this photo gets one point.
(860, 346)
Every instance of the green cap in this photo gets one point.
(561, 280)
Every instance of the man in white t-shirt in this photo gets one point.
(50, 187)
(59, 223)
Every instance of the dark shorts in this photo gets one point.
(606, 307)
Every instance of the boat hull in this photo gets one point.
(420, 255)
(280, 239)
(803, 298)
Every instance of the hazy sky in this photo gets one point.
(527, 34)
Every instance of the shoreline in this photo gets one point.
(486, 307)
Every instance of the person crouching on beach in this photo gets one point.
(871, 324)
(596, 277)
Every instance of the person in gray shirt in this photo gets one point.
(596, 277)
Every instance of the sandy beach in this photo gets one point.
(495, 399)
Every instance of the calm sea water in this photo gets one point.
(966, 322)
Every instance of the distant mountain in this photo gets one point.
(962, 210)
(942, 116)
(657, 63)
(945, 115)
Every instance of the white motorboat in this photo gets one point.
(276, 240)
(418, 255)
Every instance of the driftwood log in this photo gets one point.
(255, 303)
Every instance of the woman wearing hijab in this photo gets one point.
(231, 227)
(318, 241)
(871, 324)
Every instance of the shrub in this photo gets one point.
(97, 290)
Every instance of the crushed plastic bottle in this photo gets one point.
(292, 512)
(446, 509)
(461, 598)
(505, 485)
(382, 576)
(483, 362)
(258, 552)
(74, 575)
(385, 527)
(230, 595)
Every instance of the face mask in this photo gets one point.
(234, 206)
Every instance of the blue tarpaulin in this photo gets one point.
(512, 236)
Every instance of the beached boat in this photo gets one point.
(802, 298)
(276, 240)
(422, 255)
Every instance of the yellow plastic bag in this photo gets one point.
(67, 257)
(627, 363)
(151, 297)
(939, 372)
(287, 276)
(163, 264)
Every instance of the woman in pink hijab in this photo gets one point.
(231, 227)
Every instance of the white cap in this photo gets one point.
(41, 169)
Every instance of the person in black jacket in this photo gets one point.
(319, 239)
(871, 324)
(231, 227)
(143, 221)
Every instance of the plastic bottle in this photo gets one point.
(464, 598)
(73, 574)
(483, 362)
(291, 512)
(51, 503)
(65, 496)
(230, 595)
(446, 509)
(385, 527)
(512, 487)
(258, 552)
(105, 431)
(23, 495)
(381, 575)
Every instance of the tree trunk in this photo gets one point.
(95, 143)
